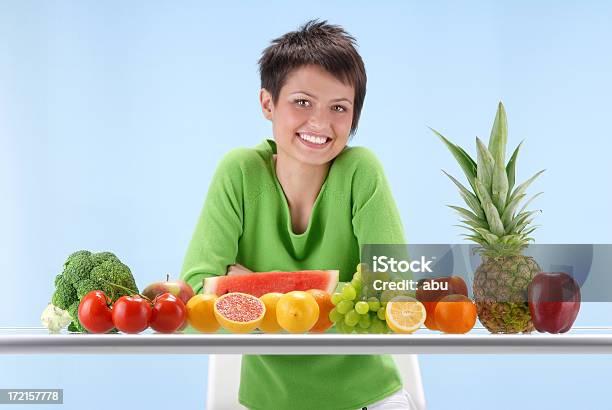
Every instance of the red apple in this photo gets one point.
(178, 288)
(554, 301)
(438, 288)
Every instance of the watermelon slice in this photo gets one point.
(260, 283)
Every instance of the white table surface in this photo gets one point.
(37, 340)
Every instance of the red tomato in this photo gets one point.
(95, 312)
(169, 313)
(131, 314)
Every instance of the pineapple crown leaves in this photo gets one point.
(467, 164)
(492, 217)
(485, 164)
(499, 135)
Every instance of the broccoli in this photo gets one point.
(74, 328)
(77, 267)
(114, 272)
(85, 271)
(84, 286)
(75, 255)
(64, 294)
(73, 310)
(101, 257)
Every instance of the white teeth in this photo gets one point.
(313, 139)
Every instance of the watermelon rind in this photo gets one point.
(260, 283)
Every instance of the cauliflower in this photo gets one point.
(54, 318)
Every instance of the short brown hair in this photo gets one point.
(316, 42)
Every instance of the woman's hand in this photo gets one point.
(237, 269)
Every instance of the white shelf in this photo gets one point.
(580, 340)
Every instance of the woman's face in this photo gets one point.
(312, 118)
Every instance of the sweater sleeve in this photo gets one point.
(375, 217)
(214, 244)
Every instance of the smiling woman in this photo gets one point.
(312, 116)
(302, 201)
(114, 117)
(311, 124)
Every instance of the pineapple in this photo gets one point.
(500, 229)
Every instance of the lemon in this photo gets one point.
(269, 324)
(405, 314)
(297, 311)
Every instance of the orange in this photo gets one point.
(425, 293)
(325, 306)
(430, 320)
(201, 313)
(405, 314)
(269, 324)
(455, 314)
(297, 311)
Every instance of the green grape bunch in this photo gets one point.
(354, 312)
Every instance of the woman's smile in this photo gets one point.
(314, 141)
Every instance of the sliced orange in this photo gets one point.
(405, 314)
(239, 312)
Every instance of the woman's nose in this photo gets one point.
(319, 119)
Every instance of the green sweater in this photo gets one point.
(246, 220)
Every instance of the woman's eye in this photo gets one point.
(339, 108)
(302, 103)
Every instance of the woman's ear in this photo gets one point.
(267, 106)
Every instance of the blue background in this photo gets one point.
(114, 116)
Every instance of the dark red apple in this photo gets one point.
(178, 288)
(554, 301)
